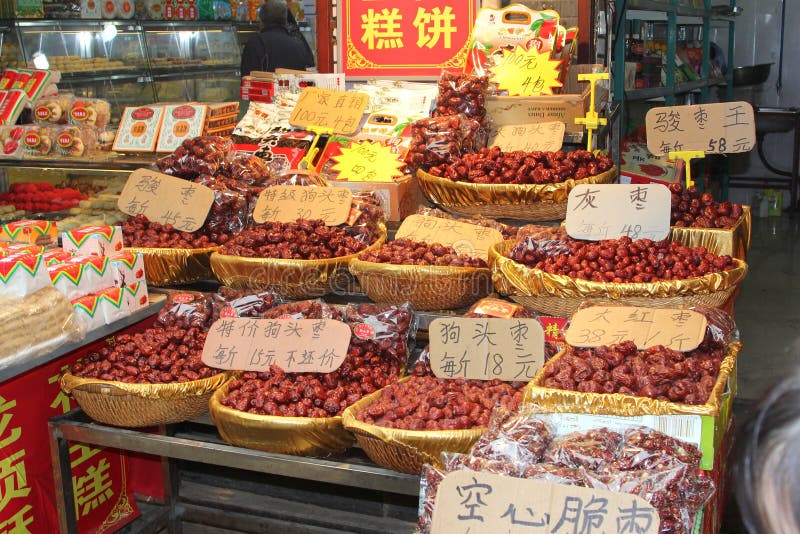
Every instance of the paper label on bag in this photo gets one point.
(722, 128)
(294, 345)
(339, 111)
(469, 239)
(488, 503)
(542, 136)
(287, 203)
(165, 199)
(487, 348)
(610, 211)
(677, 329)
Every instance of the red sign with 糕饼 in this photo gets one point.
(409, 38)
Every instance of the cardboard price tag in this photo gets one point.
(524, 72)
(287, 203)
(677, 329)
(367, 162)
(485, 349)
(722, 128)
(487, 503)
(543, 136)
(338, 111)
(469, 239)
(610, 211)
(165, 199)
(294, 345)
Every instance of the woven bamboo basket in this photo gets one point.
(305, 436)
(534, 202)
(734, 242)
(291, 279)
(561, 296)
(405, 450)
(425, 287)
(138, 405)
(172, 266)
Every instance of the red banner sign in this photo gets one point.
(409, 38)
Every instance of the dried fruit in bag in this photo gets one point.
(195, 157)
(513, 437)
(591, 449)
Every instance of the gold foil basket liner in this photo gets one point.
(733, 242)
(425, 287)
(306, 436)
(530, 202)
(405, 450)
(172, 266)
(560, 295)
(563, 401)
(138, 405)
(292, 279)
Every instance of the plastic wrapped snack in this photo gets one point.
(440, 140)
(644, 448)
(38, 141)
(195, 157)
(52, 109)
(229, 302)
(299, 177)
(76, 141)
(11, 139)
(514, 437)
(90, 112)
(591, 449)
(229, 211)
(247, 170)
(462, 94)
(385, 330)
(186, 309)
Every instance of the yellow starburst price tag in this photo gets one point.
(526, 73)
(367, 162)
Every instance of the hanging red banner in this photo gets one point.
(408, 38)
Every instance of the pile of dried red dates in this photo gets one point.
(462, 94)
(429, 403)
(638, 461)
(493, 166)
(407, 252)
(692, 209)
(440, 140)
(373, 361)
(624, 260)
(139, 231)
(300, 240)
(656, 372)
(196, 156)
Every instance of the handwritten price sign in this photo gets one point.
(338, 111)
(294, 345)
(526, 72)
(466, 238)
(543, 136)
(485, 349)
(677, 329)
(166, 199)
(723, 128)
(610, 211)
(287, 203)
(367, 162)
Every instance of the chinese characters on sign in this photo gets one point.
(14, 480)
(486, 503)
(166, 199)
(469, 239)
(368, 162)
(526, 72)
(338, 111)
(294, 345)
(543, 136)
(610, 211)
(404, 38)
(678, 329)
(722, 128)
(287, 203)
(484, 349)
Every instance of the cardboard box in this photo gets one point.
(399, 199)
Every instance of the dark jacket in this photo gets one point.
(275, 47)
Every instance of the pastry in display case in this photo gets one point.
(198, 47)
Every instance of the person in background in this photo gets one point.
(768, 465)
(276, 45)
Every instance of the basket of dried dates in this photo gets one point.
(532, 186)
(410, 423)
(429, 275)
(698, 220)
(156, 376)
(301, 413)
(554, 276)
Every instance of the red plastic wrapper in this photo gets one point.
(195, 157)
(229, 302)
(440, 140)
(186, 309)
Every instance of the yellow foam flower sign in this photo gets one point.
(526, 72)
(367, 162)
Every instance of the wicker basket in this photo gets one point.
(172, 266)
(733, 242)
(139, 405)
(405, 450)
(291, 279)
(425, 287)
(305, 436)
(561, 296)
(534, 202)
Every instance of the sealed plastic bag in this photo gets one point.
(186, 309)
(229, 302)
(195, 157)
(440, 140)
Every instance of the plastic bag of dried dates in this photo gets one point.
(439, 141)
(461, 93)
(196, 156)
(229, 302)
(366, 214)
(386, 330)
(246, 169)
(299, 177)
(536, 243)
(514, 437)
(230, 210)
(186, 309)
(645, 448)
(591, 449)
(305, 309)
(428, 487)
